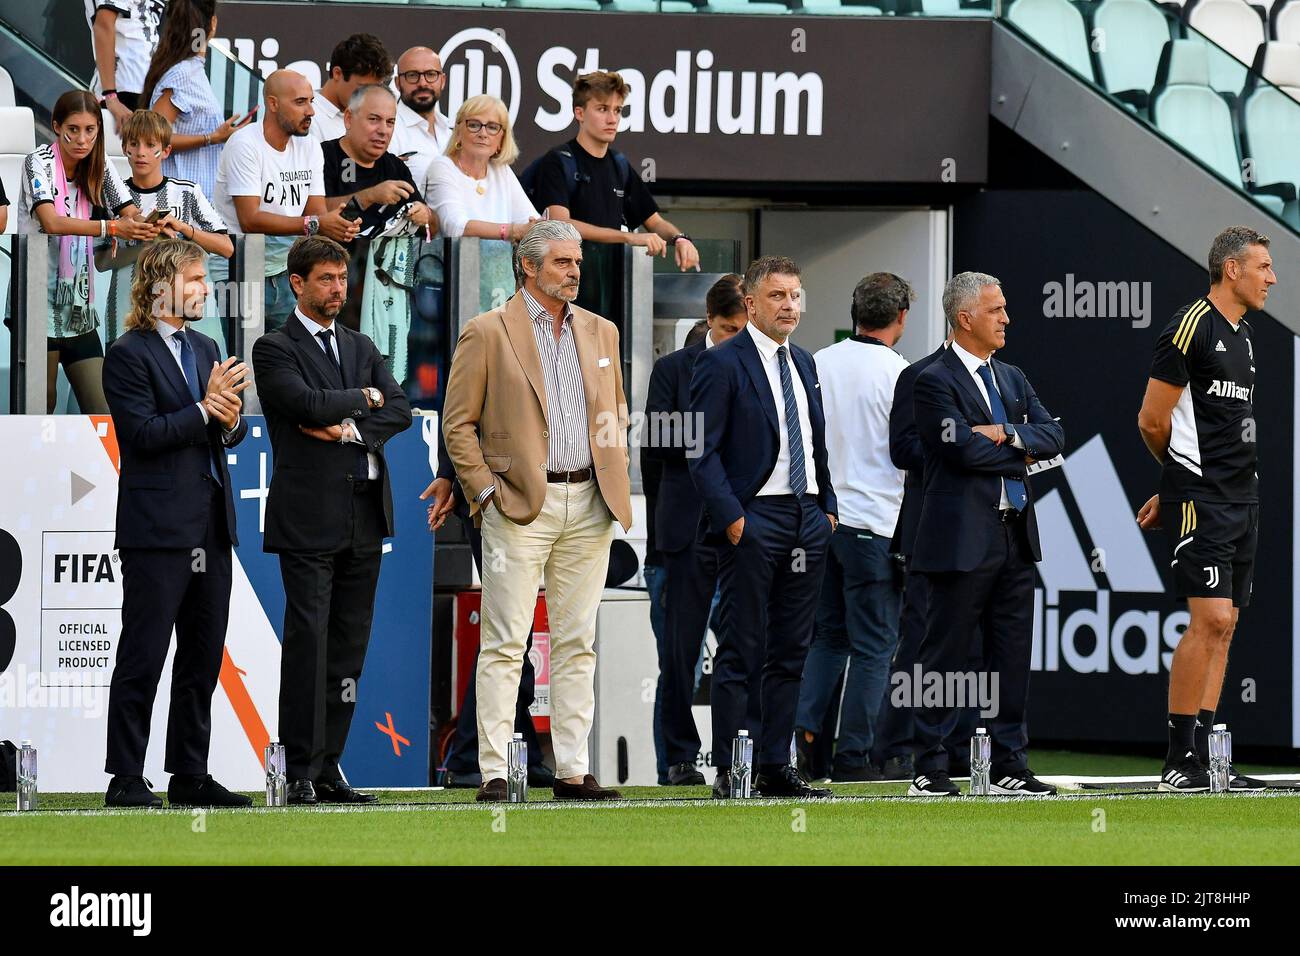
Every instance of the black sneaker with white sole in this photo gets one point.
(1240, 783)
(1022, 783)
(1186, 776)
(936, 784)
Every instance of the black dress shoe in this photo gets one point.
(897, 768)
(301, 793)
(338, 791)
(722, 784)
(684, 775)
(126, 791)
(589, 789)
(786, 782)
(492, 791)
(463, 781)
(540, 775)
(187, 790)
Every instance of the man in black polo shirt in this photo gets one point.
(1198, 421)
(359, 166)
(591, 184)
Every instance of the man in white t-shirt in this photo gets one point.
(421, 132)
(360, 60)
(124, 34)
(857, 620)
(271, 180)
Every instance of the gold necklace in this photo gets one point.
(479, 185)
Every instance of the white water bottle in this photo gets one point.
(742, 765)
(1220, 758)
(981, 759)
(27, 792)
(517, 770)
(277, 780)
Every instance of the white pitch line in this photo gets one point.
(701, 803)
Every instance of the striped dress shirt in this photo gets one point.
(568, 445)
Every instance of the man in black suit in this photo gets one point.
(981, 424)
(770, 509)
(330, 404)
(691, 567)
(175, 407)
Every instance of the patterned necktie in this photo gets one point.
(191, 370)
(798, 474)
(1016, 493)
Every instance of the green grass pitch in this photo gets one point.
(865, 824)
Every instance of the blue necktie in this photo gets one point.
(191, 369)
(1015, 487)
(798, 473)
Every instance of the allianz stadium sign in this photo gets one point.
(724, 97)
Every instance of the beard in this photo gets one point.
(325, 308)
(565, 293)
(423, 108)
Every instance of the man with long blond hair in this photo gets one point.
(175, 525)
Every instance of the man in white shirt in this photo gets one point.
(360, 60)
(857, 620)
(770, 508)
(421, 132)
(271, 180)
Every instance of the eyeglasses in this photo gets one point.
(414, 76)
(475, 125)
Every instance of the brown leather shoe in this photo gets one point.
(589, 789)
(492, 791)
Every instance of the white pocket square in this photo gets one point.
(602, 363)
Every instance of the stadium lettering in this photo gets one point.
(683, 100)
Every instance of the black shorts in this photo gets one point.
(1214, 548)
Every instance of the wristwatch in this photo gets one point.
(310, 225)
(679, 238)
(1010, 432)
(374, 396)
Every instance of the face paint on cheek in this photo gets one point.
(67, 137)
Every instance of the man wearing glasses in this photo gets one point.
(422, 132)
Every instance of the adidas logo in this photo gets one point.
(1175, 778)
(1011, 783)
(1220, 346)
(1087, 638)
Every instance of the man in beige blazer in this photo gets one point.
(535, 422)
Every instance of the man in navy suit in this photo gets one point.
(691, 567)
(176, 408)
(893, 750)
(770, 510)
(981, 424)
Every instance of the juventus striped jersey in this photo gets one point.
(1212, 445)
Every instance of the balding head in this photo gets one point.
(420, 79)
(288, 102)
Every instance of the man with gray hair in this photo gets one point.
(535, 422)
(981, 425)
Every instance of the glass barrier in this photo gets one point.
(1208, 103)
(844, 8)
(409, 295)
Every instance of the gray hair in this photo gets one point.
(359, 95)
(1232, 244)
(536, 242)
(961, 290)
(878, 299)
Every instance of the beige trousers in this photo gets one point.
(567, 546)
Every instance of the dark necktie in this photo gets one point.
(798, 473)
(191, 369)
(325, 336)
(1015, 487)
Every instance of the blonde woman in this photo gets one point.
(176, 409)
(471, 186)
